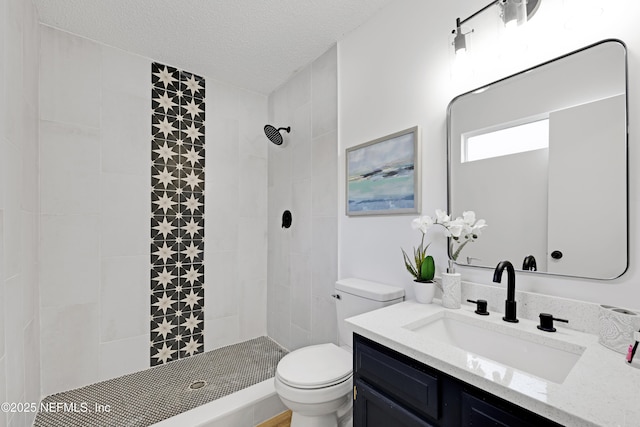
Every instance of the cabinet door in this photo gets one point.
(373, 409)
(479, 411)
(402, 379)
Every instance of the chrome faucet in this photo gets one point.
(510, 302)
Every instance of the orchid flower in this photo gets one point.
(460, 231)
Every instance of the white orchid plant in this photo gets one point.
(461, 231)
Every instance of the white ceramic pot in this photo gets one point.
(424, 291)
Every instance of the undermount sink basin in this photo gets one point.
(546, 358)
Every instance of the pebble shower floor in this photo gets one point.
(150, 396)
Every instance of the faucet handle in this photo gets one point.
(546, 322)
(481, 307)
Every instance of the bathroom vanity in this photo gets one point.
(423, 365)
(393, 389)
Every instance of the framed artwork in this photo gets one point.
(383, 177)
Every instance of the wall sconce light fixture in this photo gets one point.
(512, 13)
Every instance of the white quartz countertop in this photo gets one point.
(602, 389)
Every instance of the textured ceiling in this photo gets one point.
(254, 44)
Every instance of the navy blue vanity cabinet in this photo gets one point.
(394, 390)
(374, 409)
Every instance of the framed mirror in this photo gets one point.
(542, 157)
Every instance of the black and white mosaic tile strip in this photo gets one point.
(177, 214)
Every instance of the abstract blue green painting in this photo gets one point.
(382, 175)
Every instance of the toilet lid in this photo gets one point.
(316, 366)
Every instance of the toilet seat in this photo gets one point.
(314, 367)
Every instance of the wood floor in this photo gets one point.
(280, 420)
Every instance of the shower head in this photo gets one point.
(274, 134)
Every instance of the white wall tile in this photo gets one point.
(280, 167)
(123, 357)
(3, 103)
(30, 159)
(221, 213)
(272, 320)
(324, 327)
(19, 351)
(253, 187)
(14, 339)
(252, 248)
(14, 72)
(278, 105)
(282, 316)
(324, 93)
(70, 262)
(299, 338)
(125, 133)
(18, 419)
(124, 217)
(30, 53)
(222, 138)
(69, 169)
(12, 171)
(301, 142)
(3, 159)
(124, 293)
(324, 263)
(298, 89)
(253, 117)
(222, 289)
(30, 291)
(220, 332)
(223, 100)
(2, 290)
(3, 391)
(12, 174)
(125, 72)
(279, 202)
(69, 78)
(302, 178)
(69, 340)
(29, 222)
(12, 242)
(301, 290)
(301, 212)
(32, 361)
(279, 254)
(253, 308)
(325, 175)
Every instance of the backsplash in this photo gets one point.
(582, 315)
(177, 214)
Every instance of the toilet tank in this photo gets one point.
(357, 296)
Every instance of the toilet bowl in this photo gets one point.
(316, 382)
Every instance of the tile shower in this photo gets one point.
(177, 221)
(95, 154)
(97, 214)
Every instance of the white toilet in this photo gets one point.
(315, 382)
